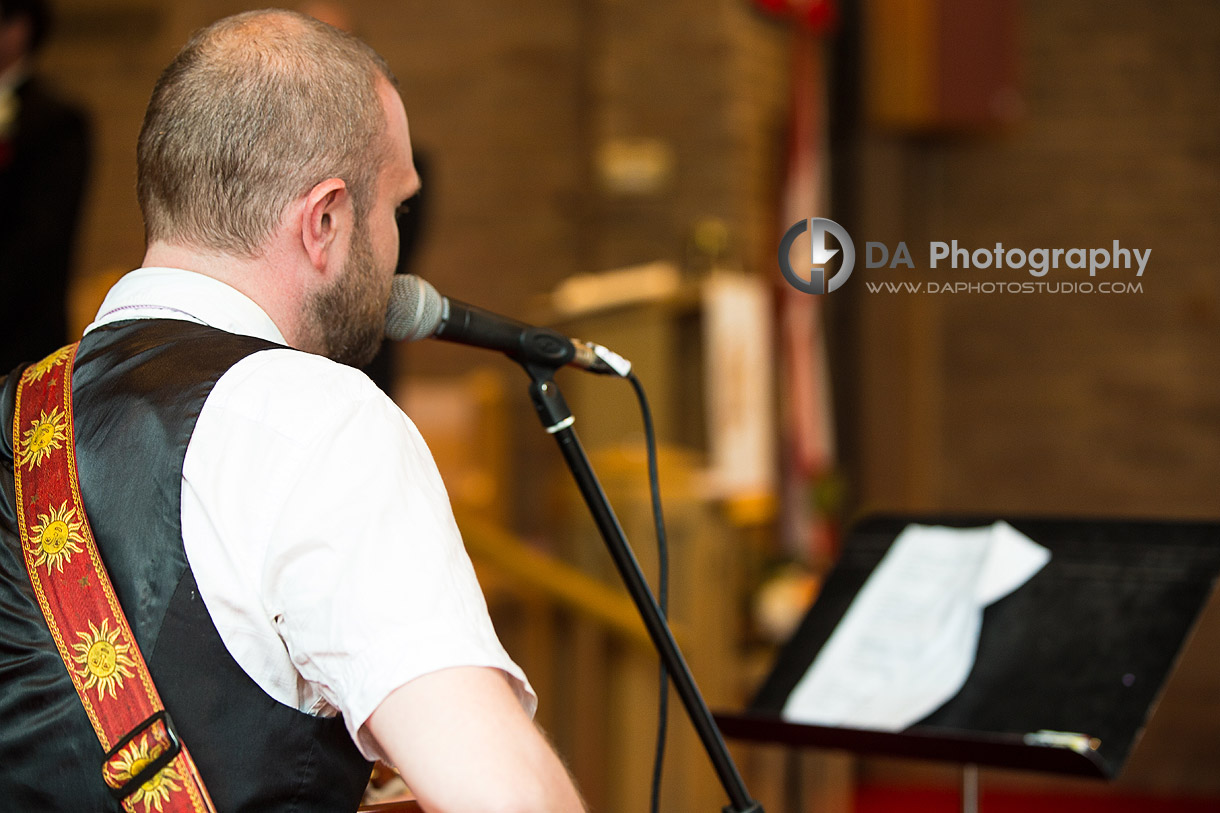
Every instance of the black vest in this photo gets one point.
(138, 388)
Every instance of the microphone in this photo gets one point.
(418, 311)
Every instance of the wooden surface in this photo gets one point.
(392, 807)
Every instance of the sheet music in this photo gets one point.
(907, 643)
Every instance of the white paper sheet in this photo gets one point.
(907, 642)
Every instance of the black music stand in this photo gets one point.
(1084, 646)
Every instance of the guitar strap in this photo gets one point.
(145, 761)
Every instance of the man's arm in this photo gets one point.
(462, 742)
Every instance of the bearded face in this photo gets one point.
(349, 316)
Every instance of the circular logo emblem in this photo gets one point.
(819, 255)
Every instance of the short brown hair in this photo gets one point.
(253, 112)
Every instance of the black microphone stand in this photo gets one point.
(557, 419)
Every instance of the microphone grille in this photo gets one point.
(414, 310)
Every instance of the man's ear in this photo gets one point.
(326, 216)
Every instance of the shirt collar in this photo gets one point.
(173, 293)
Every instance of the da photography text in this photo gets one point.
(1036, 261)
(817, 256)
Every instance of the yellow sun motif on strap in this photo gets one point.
(55, 537)
(103, 660)
(135, 758)
(36, 371)
(46, 434)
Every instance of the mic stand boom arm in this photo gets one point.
(557, 419)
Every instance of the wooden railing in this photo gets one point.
(551, 579)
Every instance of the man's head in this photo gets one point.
(278, 145)
(253, 111)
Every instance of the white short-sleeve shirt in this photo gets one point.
(315, 521)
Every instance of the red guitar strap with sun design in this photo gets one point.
(145, 761)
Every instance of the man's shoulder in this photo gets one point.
(296, 388)
(281, 414)
(309, 371)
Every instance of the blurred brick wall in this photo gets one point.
(1078, 404)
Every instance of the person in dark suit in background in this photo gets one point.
(44, 162)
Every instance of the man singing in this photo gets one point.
(274, 527)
